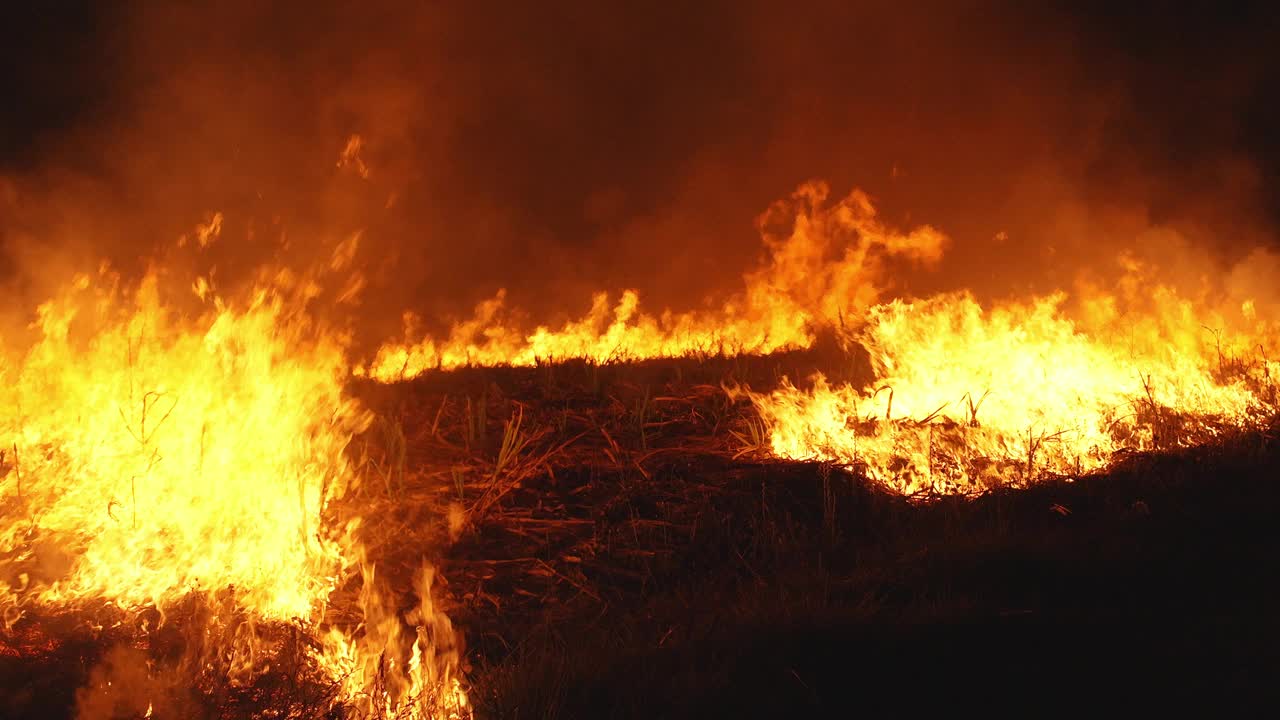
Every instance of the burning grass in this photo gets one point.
(609, 535)
(217, 517)
(642, 531)
(967, 398)
(962, 395)
(107, 664)
(826, 261)
(178, 487)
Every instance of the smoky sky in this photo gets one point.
(564, 147)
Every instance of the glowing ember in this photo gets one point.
(152, 457)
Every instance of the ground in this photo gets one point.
(620, 549)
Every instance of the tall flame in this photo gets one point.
(164, 456)
(827, 265)
(152, 456)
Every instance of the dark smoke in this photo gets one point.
(564, 147)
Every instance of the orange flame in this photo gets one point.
(968, 398)
(153, 456)
(827, 266)
(965, 397)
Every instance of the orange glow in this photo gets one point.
(968, 398)
(826, 268)
(153, 456)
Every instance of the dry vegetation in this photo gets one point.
(616, 544)
(621, 547)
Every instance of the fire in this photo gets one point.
(165, 447)
(825, 266)
(153, 456)
(967, 398)
(964, 397)
(167, 457)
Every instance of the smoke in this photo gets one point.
(556, 149)
(126, 683)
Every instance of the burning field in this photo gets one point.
(265, 454)
(186, 471)
(207, 489)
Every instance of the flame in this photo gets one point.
(350, 157)
(967, 398)
(396, 675)
(166, 457)
(153, 456)
(160, 447)
(827, 265)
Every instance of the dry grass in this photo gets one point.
(627, 508)
(606, 488)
